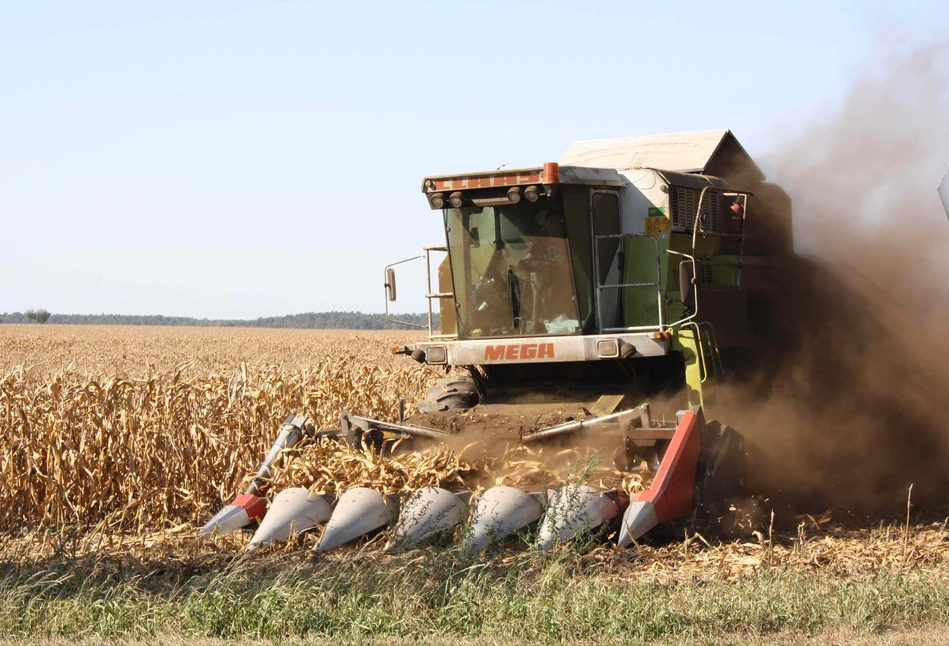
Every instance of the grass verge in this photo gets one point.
(441, 595)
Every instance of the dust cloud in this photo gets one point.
(851, 403)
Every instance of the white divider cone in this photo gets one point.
(573, 508)
(358, 512)
(500, 512)
(427, 512)
(292, 510)
(639, 518)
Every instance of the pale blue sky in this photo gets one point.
(239, 159)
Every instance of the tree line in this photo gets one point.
(307, 320)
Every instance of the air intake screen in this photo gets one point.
(683, 203)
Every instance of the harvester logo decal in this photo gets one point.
(487, 180)
(518, 352)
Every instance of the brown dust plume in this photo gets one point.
(852, 403)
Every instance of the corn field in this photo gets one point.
(80, 445)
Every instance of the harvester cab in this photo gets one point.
(568, 294)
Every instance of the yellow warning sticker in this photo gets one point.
(657, 225)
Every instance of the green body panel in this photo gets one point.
(640, 304)
(725, 270)
(703, 365)
(684, 340)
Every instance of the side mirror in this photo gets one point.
(390, 284)
(687, 284)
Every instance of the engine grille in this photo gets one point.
(683, 203)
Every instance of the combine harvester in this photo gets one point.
(572, 291)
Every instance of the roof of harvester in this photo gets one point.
(708, 152)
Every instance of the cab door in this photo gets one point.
(605, 221)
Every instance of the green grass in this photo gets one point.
(440, 595)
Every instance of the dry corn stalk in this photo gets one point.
(162, 449)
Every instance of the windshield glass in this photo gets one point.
(511, 270)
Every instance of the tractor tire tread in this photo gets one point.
(451, 393)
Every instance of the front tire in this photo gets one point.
(450, 394)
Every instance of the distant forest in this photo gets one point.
(308, 321)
